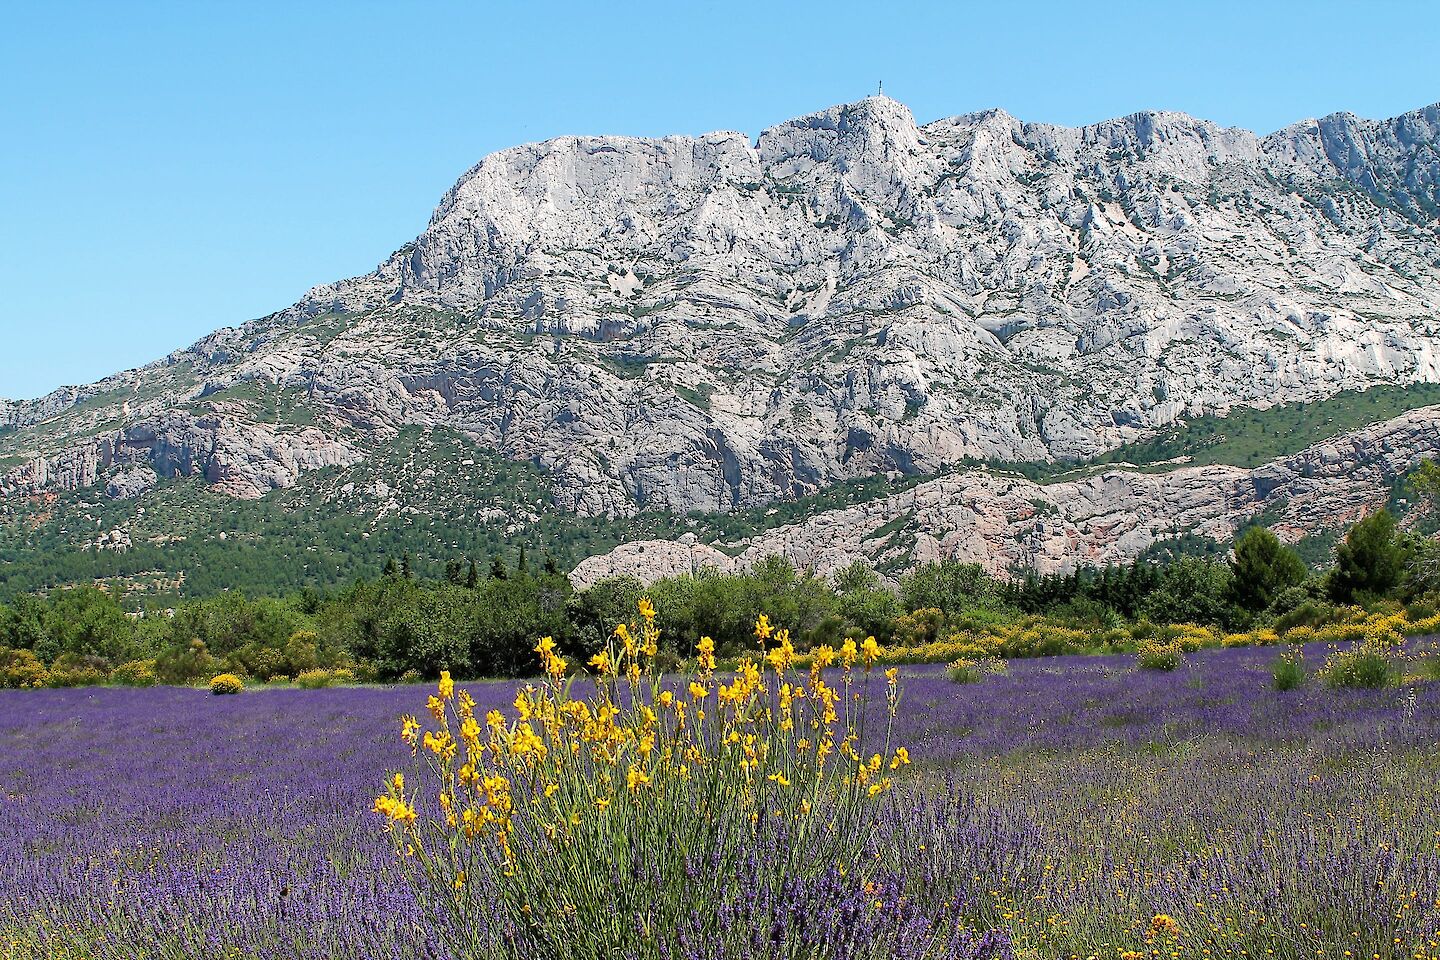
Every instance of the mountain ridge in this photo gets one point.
(1429, 113)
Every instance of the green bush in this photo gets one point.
(186, 664)
(316, 679)
(1369, 665)
(72, 670)
(1305, 611)
(1288, 671)
(1428, 663)
(966, 670)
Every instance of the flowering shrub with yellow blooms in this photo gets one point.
(1154, 655)
(604, 823)
(965, 670)
(226, 683)
(1372, 663)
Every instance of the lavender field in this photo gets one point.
(1076, 807)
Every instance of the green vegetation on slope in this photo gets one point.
(435, 494)
(1250, 437)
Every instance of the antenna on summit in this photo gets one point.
(880, 90)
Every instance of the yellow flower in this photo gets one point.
(847, 653)
(697, 692)
(602, 802)
(409, 730)
(706, 647)
(636, 778)
(446, 686)
(870, 650)
(396, 811)
(623, 632)
(763, 628)
(1162, 924)
(601, 662)
(647, 609)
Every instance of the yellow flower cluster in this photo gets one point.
(226, 683)
(765, 742)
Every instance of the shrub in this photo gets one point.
(1159, 656)
(72, 670)
(919, 627)
(21, 670)
(226, 683)
(1301, 610)
(1429, 663)
(973, 671)
(1288, 671)
(135, 673)
(1370, 664)
(315, 679)
(185, 663)
(753, 790)
(965, 671)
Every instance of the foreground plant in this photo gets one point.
(650, 818)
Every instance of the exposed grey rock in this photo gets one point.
(1008, 523)
(130, 481)
(241, 459)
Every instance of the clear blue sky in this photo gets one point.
(168, 168)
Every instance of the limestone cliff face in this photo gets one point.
(698, 323)
(1006, 522)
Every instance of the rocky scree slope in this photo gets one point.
(701, 323)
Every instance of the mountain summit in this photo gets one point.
(706, 323)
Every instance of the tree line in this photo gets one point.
(483, 619)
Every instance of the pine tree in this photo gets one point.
(1263, 566)
(1369, 564)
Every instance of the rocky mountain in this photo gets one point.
(712, 323)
